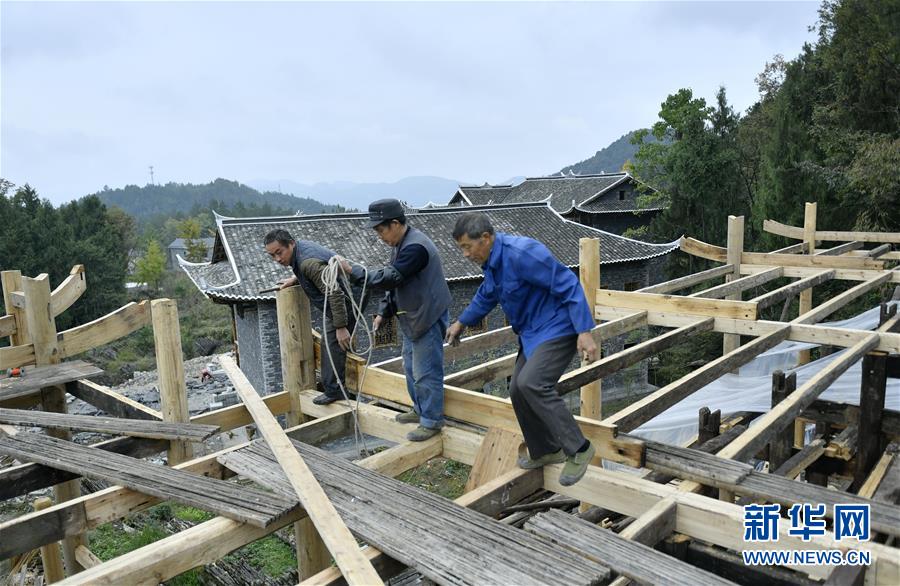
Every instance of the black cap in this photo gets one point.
(383, 210)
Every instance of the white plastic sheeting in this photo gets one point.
(751, 389)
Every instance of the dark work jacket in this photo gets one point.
(304, 249)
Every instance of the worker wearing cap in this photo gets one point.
(308, 260)
(546, 307)
(416, 292)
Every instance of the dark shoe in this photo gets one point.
(408, 417)
(325, 399)
(528, 464)
(422, 433)
(576, 466)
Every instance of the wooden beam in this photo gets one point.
(739, 285)
(497, 455)
(341, 543)
(7, 325)
(872, 392)
(687, 305)
(800, 461)
(51, 560)
(878, 251)
(625, 358)
(689, 280)
(780, 446)
(12, 281)
(68, 292)
(170, 367)
(654, 525)
(48, 375)
(796, 233)
(109, 401)
(841, 249)
(696, 247)
(652, 405)
(86, 557)
(589, 277)
(835, 303)
(477, 376)
(791, 289)
(879, 472)
(112, 326)
(771, 423)
(488, 411)
(110, 425)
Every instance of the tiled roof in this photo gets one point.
(240, 267)
(589, 193)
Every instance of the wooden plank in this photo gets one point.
(839, 301)
(654, 525)
(796, 233)
(488, 411)
(771, 423)
(7, 325)
(688, 280)
(13, 356)
(740, 285)
(170, 368)
(800, 461)
(841, 249)
(878, 472)
(111, 425)
(47, 375)
(498, 454)
(68, 292)
(444, 541)
(788, 291)
(695, 465)
(635, 560)
(686, 305)
(589, 277)
(111, 402)
(86, 557)
(625, 358)
(340, 542)
(103, 330)
(241, 503)
(477, 376)
(652, 405)
(27, 532)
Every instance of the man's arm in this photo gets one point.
(411, 260)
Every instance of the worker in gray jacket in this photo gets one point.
(416, 292)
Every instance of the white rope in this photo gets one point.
(333, 276)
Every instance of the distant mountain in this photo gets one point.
(416, 191)
(160, 200)
(607, 160)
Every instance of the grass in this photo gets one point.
(440, 476)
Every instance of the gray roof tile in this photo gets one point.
(240, 267)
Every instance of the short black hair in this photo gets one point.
(473, 225)
(282, 236)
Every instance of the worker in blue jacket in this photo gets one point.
(546, 307)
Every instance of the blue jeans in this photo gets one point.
(423, 362)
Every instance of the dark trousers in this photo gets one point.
(338, 355)
(543, 416)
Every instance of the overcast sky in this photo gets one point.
(92, 94)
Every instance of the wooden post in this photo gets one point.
(589, 275)
(780, 447)
(42, 329)
(809, 238)
(871, 409)
(298, 368)
(170, 366)
(50, 558)
(709, 425)
(730, 342)
(12, 281)
(297, 374)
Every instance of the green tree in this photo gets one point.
(189, 230)
(151, 266)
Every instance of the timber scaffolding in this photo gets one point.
(679, 519)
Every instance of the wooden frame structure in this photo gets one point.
(702, 508)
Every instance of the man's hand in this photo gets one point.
(587, 348)
(454, 332)
(376, 323)
(343, 338)
(289, 282)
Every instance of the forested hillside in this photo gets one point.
(826, 129)
(155, 200)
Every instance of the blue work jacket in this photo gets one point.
(541, 297)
